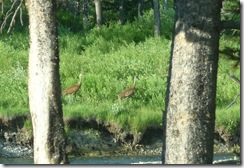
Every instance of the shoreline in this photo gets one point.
(88, 137)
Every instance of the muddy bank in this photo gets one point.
(90, 137)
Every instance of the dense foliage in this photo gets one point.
(109, 57)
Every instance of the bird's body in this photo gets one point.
(73, 89)
(128, 92)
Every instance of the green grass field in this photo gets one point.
(109, 57)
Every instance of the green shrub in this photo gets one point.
(229, 118)
(109, 57)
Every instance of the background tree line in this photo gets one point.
(89, 13)
(86, 13)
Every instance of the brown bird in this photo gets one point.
(128, 92)
(73, 89)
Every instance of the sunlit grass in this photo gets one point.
(109, 57)
(131, 117)
(13, 111)
(229, 118)
(146, 117)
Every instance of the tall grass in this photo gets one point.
(109, 57)
(229, 118)
(13, 74)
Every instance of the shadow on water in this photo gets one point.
(112, 160)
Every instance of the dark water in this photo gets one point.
(108, 160)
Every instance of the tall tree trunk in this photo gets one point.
(2, 9)
(157, 22)
(98, 7)
(121, 12)
(85, 14)
(140, 8)
(44, 84)
(166, 5)
(189, 119)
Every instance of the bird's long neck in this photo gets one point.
(79, 83)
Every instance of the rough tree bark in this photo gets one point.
(98, 7)
(189, 118)
(44, 84)
(157, 22)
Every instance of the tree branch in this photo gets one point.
(231, 104)
(235, 78)
(238, 81)
(14, 16)
(9, 13)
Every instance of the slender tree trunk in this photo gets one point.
(189, 119)
(2, 9)
(166, 4)
(44, 84)
(140, 8)
(85, 14)
(98, 7)
(121, 12)
(157, 22)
